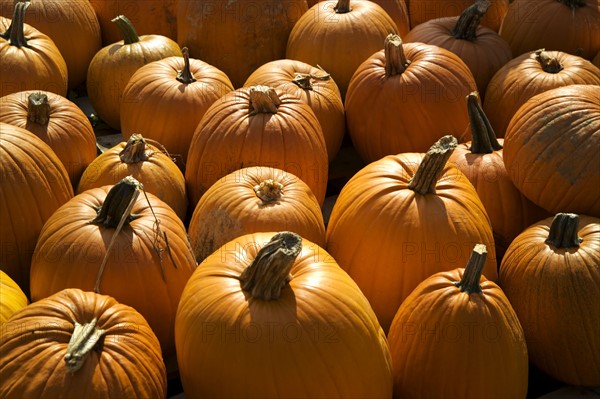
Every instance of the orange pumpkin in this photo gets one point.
(421, 11)
(80, 344)
(446, 332)
(287, 313)
(12, 298)
(29, 59)
(550, 273)
(403, 218)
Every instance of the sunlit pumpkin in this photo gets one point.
(12, 298)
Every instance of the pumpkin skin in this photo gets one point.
(442, 324)
(317, 89)
(73, 248)
(233, 207)
(529, 74)
(570, 26)
(237, 37)
(112, 67)
(38, 65)
(332, 324)
(34, 184)
(35, 340)
(12, 298)
(160, 106)
(547, 285)
(545, 144)
(424, 10)
(230, 137)
(339, 41)
(58, 122)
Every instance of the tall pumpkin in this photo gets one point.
(273, 314)
(421, 11)
(34, 184)
(551, 276)
(403, 218)
(78, 344)
(257, 126)
(144, 263)
(237, 37)
(405, 97)
(12, 298)
(112, 67)
(457, 336)
(29, 59)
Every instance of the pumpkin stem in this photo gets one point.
(15, 33)
(185, 75)
(483, 137)
(84, 338)
(134, 151)
(269, 190)
(395, 59)
(549, 64)
(342, 7)
(269, 272)
(563, 231)
(118, 203)
(472, 274)
(432, 166)
(468, 22)
(573, 4)
(38, 108)
(304, 80)
(263, 100)
(130, 36)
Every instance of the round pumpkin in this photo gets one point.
(314, 86)
(403, 218)
(421, 11)
(288, 314)
(78, 344)
(29, 59)
(405, 97)
(166, 99)
(257, 126)
(58, 122)
(457, 336)
(34, 184)
(144, 263)
(551, 275)
(551, 149)
(252, 200)
(112, 67)
(12, 298)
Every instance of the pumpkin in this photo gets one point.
(287, 313)
(313, 85)
(80, 344)
(166, 99)
(405, 97)
(457, 336)
(482, 49)
(29, 59)
(237, 37)
(34, 184)
(252, 200)
(550, 274)
(481, 160)
(531, 74)
(339, 35)
(596, 60)
(551, 149)
(12, 298)
(421, 11)
(58, 122)
(403, 218)
(112, 67)
(146, 163)
(144, 263)
(257, 126)
(71, 25)
(570, 26)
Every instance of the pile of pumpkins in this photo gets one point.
(466, 247)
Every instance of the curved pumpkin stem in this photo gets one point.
(432, 166)
(263, 100)
(563, 231)
(185, 75)
(304, 80)
(15, 33)
(468, 22)
(130, 36)
(269, 272)
(269, 190)
(342, 7)
(395, 59)
(38, 108)
(472, 274)
(549, 64)
(84, 338)
(483, 137)
(134, 151)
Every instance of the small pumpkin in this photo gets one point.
(80, 344)
(12, 298)
(421, 11)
